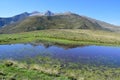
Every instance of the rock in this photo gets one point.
(48, 13)
(9, 63)
(2, 73)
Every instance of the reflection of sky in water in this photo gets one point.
(87, 54)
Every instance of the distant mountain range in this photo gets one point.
(49, 20)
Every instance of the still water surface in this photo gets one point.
(99, 55)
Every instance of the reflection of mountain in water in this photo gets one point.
(48, 45)
(92, 55)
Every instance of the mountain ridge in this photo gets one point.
(49, 20)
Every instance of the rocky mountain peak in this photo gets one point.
(48, 13)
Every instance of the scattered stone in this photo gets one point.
(9, 63)
(12, 79)
(2, 73)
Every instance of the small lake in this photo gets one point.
(98, 55)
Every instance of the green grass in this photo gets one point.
(12, 70)
(53, 69)
(64, 36)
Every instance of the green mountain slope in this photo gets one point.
(69, 21)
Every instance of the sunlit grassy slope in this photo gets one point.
(64, 36)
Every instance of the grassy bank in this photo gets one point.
(51, 69)
(66, 37)
(12, 70)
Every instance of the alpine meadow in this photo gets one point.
(72, 40)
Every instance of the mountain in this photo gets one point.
(49, 20)
(103, 24)
(6, 21)
(10, 20)
(47, 13)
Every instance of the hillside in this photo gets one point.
(10, 20)
(49, 20)
(64, 37)
(103, 24)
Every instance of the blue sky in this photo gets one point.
(105, 10)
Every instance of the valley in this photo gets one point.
(58, 46)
